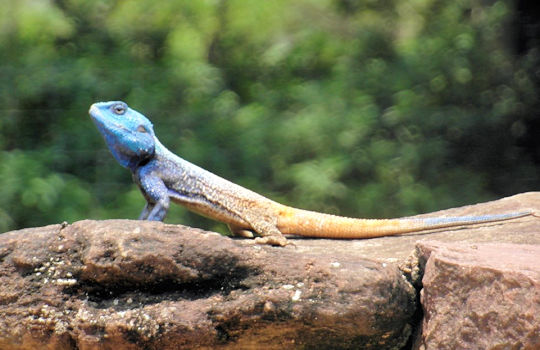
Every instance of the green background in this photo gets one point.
(361, 108)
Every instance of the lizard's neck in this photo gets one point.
(162, 151)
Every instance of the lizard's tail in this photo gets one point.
(313, 224)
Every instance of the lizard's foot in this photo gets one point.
(272, 240)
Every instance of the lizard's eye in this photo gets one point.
(119, 109)
(142, 129)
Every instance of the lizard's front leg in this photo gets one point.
(157, 198)
(146, 211)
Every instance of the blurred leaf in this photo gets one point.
(364, 108)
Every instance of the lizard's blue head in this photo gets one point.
(128, 134)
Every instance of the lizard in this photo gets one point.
(162, 177)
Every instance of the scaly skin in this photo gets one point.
(163, 176)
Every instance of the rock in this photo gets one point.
(124, 284)
(480, 296)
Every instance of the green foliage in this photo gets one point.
(363, 108)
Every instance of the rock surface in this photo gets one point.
(480, 296)
(123, 284)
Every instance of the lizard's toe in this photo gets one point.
(243, 233)
(272, 240)
(240, 232)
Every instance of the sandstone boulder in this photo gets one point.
(480, 296)
(124, 284)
